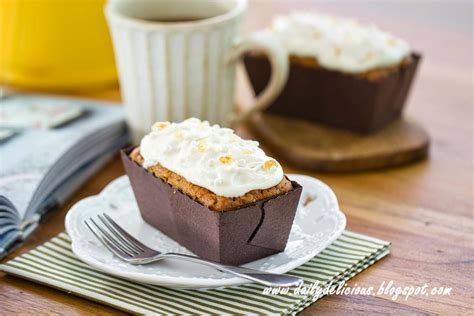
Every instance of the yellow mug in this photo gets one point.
(55, 45)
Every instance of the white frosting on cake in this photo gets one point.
(211, 157)
(339, 43)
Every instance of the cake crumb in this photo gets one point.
(308, 200)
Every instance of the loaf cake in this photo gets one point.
(342, 73)
(212, 191)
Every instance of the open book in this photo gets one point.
(41, 167)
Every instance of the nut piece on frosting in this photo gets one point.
(159, 125)
(201, 147)
(226, 159)
(269, 164)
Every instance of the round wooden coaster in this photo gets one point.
(318, 147)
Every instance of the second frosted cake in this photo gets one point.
(342, 73)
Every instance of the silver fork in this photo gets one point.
(130, 250)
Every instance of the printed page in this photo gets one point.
(27, 157)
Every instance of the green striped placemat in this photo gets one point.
(54, 264)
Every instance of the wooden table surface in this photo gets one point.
(425, 209)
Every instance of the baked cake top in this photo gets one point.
(339, 43)
(211, 157)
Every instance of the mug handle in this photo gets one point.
(269, 44)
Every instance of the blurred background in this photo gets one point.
(65, 46)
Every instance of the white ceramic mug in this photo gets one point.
(177, 59)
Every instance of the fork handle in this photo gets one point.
(265, 278)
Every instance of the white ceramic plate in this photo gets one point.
(317, 224)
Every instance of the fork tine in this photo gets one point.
(126, 235)
(106, 243)
(130, 245)
(111, 239)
